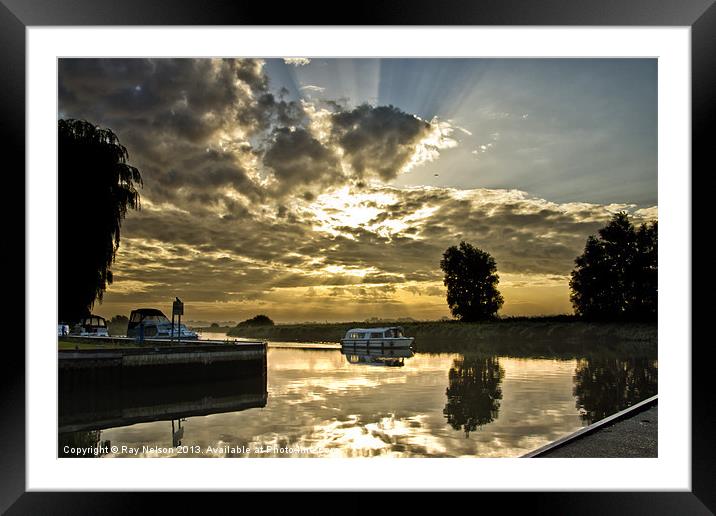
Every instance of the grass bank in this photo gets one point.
(550, 335)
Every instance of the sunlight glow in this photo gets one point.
(428, 149)
(344, 208)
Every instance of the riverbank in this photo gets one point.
(547, 335)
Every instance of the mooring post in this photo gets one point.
(178, 310)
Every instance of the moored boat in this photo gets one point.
(151, 323)
(90, 326)
(388, 337)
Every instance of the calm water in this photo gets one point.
(320, 402)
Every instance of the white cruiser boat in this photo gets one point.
(91, 326)
(389, 337)
(155, 325)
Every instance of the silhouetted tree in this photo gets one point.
(259, 320)
(474, 393)
(96, 188)
(471, 280)
(604, 386)
(117, 325)
(616, 276)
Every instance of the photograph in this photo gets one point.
(357, 257)
(414, 251)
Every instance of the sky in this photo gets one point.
(327, 189)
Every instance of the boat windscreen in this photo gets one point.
(93, 322)
(155, 319)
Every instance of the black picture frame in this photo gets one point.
(700, 15)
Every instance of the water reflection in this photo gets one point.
(92, 400)
(474, 394)
(377, 356)
(177, 431)
(604, 386)
(457, 404)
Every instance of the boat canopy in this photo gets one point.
(93, 321)
(146, 315)
(375, 333)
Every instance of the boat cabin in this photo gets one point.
(393, 332)
(391, 336)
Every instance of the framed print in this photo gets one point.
(417, 252)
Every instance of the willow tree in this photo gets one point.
(96, 188)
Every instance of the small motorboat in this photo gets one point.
(90, 326)
(151, 323)
(389, 337)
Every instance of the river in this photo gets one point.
(312, 400)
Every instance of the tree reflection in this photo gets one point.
(474, 394)
(604, 386)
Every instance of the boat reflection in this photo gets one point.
(377, 356)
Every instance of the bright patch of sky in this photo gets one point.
(563, 129)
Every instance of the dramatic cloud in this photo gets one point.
(383, 141)
(297, 158)
(207, 129)
(386, 263)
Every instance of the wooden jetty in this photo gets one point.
(125, 352)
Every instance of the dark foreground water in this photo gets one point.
(323, 403)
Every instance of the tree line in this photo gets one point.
(614, 279)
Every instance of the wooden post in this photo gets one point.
(177, 309)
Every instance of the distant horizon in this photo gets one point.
(328, 189)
